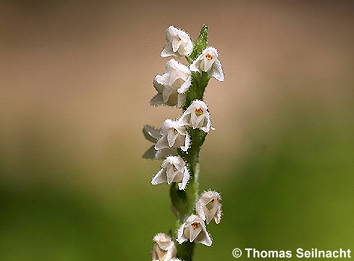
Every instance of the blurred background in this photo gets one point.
(75, 81)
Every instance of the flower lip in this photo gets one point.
(195, 225)
(199, 111)
(209, 56)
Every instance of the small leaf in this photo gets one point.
(201, 43)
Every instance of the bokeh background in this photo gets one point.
(75, 81)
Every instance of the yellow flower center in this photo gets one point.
(199, 111)
(195, 225)
(209, 56)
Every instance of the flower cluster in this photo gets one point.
(183, 86)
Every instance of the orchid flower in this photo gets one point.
(178, 43)
(152, 134)
(172, 86)
(174, 169)
(208, 206)
(193, 230)
(197, 116)
(164, 249)
(208, 62)
(173, 135)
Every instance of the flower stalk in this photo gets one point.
(179, 142)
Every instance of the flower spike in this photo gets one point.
(179, 142)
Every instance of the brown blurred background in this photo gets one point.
(75, 81)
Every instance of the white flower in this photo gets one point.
(174, 169)
(152, 134)
(172, 86)
(209, 206)
(173, 135)
(193, 229)
(164, 249)
(208, 62)
(197, 116)
(178, 43)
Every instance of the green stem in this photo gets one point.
(183, 202)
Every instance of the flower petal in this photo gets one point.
(150, 153)
(217, 72)
(157, 100)
(185, 179)
(151, 134)
(180, 234)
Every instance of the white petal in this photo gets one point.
(161, 143)
(159, 178)
(166, 52)
(162, 79)
(170, 174)
(150, 153)
(204, 238)
(176, 44)
(180, 234)
(151, 134)
(194, 232)
(217, 72)
(207, 125)
(207, 64)
(158, 86)
(185, 86)
(181, 100)
(163, 153)
(157, 100)
(171, 138)
(167, 91)
(200, 120)
(199, 208)
(185, 179)
(194, 67)
(218, 215)
(210, 214)
(187, 143)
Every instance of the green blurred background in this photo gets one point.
(74, 90)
